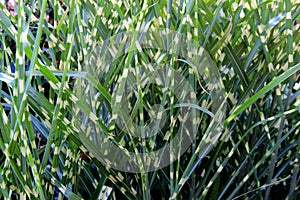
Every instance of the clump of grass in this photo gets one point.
(255, 47)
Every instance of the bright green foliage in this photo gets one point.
(253, 43)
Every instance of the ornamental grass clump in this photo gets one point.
(148, 99)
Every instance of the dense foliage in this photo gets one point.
(253, 44)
